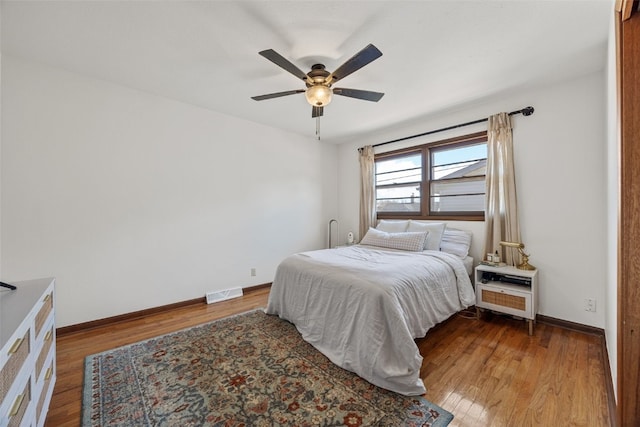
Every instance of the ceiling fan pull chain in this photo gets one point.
(318, 127)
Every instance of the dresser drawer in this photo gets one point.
(43, 313)
(17, 355)
(45, 392)
(510, 301)
(47, 342)
(20, 406)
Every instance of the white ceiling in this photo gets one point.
(437, 55)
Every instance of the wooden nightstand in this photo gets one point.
(507, 290)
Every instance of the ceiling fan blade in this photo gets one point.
(276, 95)
(283, 63)
(357, 61)
(316, 112)
(366, 95)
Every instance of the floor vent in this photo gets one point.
(224, 294)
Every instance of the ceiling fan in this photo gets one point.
(319, 81)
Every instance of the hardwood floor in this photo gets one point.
(486, 372)
(491, 373)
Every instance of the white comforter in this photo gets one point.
(363, 306)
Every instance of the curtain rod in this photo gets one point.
(527, 111)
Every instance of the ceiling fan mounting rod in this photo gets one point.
(318, 76)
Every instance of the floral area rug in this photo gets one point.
(248, 370)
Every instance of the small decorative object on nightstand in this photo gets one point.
(507, 290)
(524, 265)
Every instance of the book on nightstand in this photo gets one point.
(493, 264)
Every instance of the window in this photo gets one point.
(398, 183)
(441, 179)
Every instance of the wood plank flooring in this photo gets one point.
(490, 372)
(486, 372)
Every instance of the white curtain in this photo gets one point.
(501, 214)
(367, 190)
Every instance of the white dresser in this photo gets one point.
(28, 352)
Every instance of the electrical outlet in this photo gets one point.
(253, 272)
(590, 304)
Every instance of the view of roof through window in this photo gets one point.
(399, 180)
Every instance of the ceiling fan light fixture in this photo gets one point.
(319, 95)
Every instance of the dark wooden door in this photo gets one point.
(629, 233)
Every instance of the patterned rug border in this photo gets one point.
(168, 334)
(86, 382)
(87, 379)
(444, 419)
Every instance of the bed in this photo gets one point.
(362, 306)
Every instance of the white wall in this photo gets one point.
(613, 140)
(0, 141)
(134, 201)
(130, 201)
(560, 154)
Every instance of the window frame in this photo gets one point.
(425, 183)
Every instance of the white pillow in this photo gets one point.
(435, 230)
(393, 226)
(404, 241)
(456, 242)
